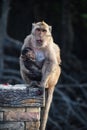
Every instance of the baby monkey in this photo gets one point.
(30, 63)
(40, 62)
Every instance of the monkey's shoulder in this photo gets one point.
(56, 47)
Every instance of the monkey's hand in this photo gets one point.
(43, 84)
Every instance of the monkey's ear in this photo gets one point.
(50, 28)
(33, 25)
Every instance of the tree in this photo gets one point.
(7, 74)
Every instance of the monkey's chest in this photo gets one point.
(40, 57)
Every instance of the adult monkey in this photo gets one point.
(40, 62)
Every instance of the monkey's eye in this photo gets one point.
(43, 30)
(38, 29)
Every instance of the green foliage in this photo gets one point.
(84, 16)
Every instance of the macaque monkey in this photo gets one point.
(40, 62)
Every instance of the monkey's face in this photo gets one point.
(42, 34)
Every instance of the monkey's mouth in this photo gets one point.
(40, 41)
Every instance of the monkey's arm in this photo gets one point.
(27, 42)
(22, 67)
(57, 51)
(50, 66)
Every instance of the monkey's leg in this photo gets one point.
(51, 86)
(45, 111)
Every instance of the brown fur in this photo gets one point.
(41, 42)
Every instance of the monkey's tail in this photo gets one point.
(45, 110)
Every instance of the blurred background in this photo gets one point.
(68, 19)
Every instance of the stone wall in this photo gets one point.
(20, 107)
